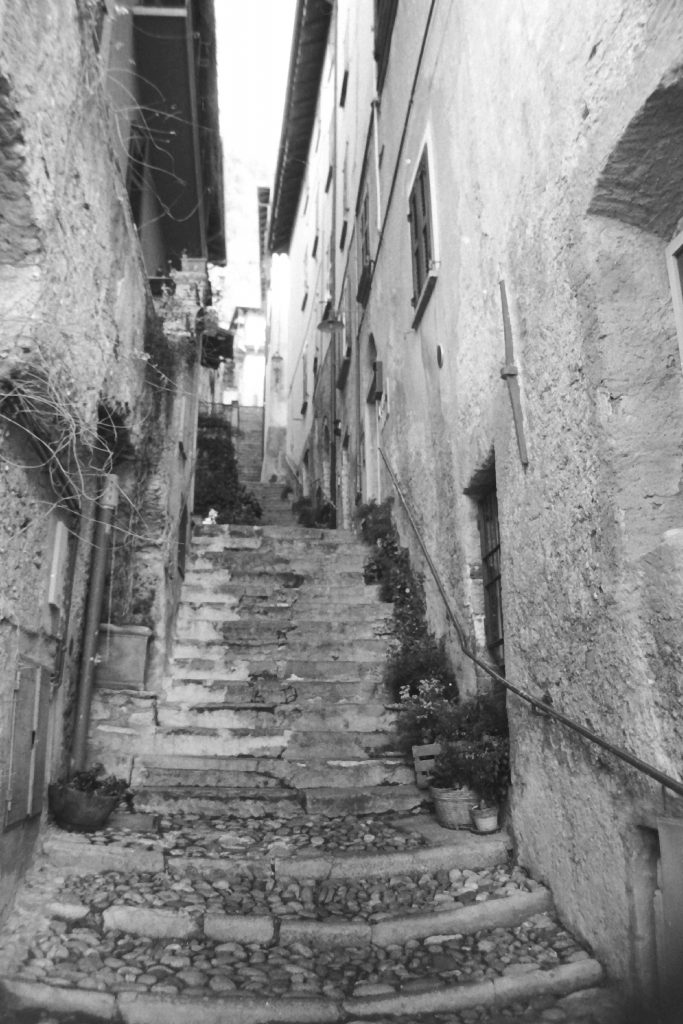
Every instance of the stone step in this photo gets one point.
(354, 717)
(322, 645)
(267, 773)
(201, 627)
(228, 608)
(336, 800)
(241, 801)
(349, 745)
(272, 692)
(276, 667)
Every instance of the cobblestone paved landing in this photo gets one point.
(283, 868)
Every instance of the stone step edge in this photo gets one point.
(469, 851)
(265, 929)
(138, 1008)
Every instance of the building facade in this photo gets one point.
(482, 215)
(96, 401)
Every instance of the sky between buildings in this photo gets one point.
(254, 39)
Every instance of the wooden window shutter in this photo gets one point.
(28, 745)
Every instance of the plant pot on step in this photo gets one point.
(485, 818)
(84, 802)
(77, 810)
(452, 806)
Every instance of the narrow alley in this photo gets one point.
(341, 555)
(280, 865)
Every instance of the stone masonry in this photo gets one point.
(284, 868)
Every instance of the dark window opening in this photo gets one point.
(344, 87)
(489, 538)
(385, 15)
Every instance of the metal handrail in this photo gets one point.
(539, 705)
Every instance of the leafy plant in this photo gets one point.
(93, 780)
(424, 714)
(417, 656)
(320, 514)
(483, 765)
(475, 748)
(217, 483)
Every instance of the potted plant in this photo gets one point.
(472, 763)
(84, 802)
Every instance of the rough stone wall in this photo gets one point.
(72, 315)
(542, 134)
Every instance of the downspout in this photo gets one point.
(108, 503)
(333, 265)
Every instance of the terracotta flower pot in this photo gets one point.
(79, 810)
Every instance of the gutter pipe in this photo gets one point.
(108, 502)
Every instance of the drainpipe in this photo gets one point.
(333, 262)
(108, 503)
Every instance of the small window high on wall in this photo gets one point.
(385, 15)
(674, 260)
(421, 238)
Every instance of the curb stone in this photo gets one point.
(140, 1009)
(143, 1008)
(57, 999)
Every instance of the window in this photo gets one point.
(421, 239)
(385, 15)
(674, 259)
(28, 744)
(364, 260)
(489, 538)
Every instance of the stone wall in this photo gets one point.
(72, 317)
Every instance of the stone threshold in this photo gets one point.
(140, 1008)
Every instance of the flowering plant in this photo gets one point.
(426, 711)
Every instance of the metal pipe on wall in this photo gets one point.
(107, 506)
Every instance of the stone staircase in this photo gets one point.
(275, 687)
(281, 866)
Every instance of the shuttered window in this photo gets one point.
(489, 536)
(385, 15)
(421, 227)
(28, 746)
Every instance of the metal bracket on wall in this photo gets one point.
(510, 373)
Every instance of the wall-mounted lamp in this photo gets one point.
(330, 322)
(337, 428)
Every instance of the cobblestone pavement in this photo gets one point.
(77, 944)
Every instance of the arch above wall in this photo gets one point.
(642, 182)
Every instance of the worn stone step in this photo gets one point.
(274, 691)
(348, 745)
(239, 801)
(353, 716)
(323, 645)
(200, 627)
(276, 667)
(335, 800)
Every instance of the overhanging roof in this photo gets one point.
(311, 26)
(176, 63)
